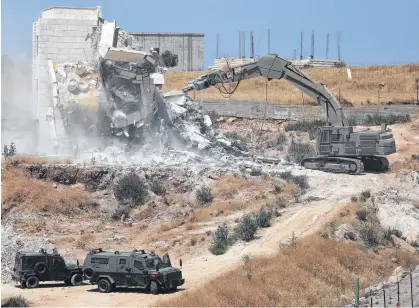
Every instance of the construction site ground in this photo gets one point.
(327, 194)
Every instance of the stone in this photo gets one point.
(402, 245)
(72, 85)
(83, 87)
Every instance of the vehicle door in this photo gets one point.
(123, 270)
(58, 269)
(140, 273)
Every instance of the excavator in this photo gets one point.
(338, 148)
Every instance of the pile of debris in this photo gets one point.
(112, 110)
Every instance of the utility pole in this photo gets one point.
(252, 51)
(269, 41)
(417, 91)
(301, 46)
(240, 44)
(312, 45)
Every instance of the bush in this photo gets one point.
(169, 59)
(286, 175)
(256, 172)
(280, 202)
(371, 234)
(378, 119)
(119, 211)
(362, 214)
(10, 150)
(301, 181)
(309, 126)
(131, 190)
(263, 218)
(236, 136)
(15, 301)
(220, 240)
(157, 187)
(278, 188)
(297, 151)
(246, 228)
(204, 195)
(354, 198)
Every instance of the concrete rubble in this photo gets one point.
(112, 111)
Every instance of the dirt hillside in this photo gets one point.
(399, 87)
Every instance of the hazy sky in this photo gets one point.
(372, 32)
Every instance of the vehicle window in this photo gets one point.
(58, 263)
(100, 260)
(138, 264)
(151, 263)
(122, 261)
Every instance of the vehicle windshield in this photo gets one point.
(151, 263)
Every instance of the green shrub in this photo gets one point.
(15, 301)
(246, 228)
(119, 211)
(157, 187)
(362, 214)
(220, 240)
(378, 119)
(297, 151)
(204, 195)
(130, 189)
(263, 218)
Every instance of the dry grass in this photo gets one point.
(399, 80)
(316, 272)
(35, 195)
(30, 159)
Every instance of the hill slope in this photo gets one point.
(362, 90)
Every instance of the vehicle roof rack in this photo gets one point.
(96, 250)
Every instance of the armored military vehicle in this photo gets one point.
(131, 269)
(32, 267)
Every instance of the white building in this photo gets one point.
(60, 35)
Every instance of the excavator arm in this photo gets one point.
(272, 66)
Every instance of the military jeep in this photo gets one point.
(131, 269)
(32, 267)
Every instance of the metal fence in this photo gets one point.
(403, 292)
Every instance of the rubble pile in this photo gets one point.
(112, 111)
(11, 243)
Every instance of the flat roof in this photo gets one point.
(167, 33)
(71, 7)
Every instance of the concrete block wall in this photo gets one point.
(188, 46)
(60, 35)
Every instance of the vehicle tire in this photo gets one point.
(40, 268)
(67, 282)
(32, 282)
(23, 284)
(76, 280)
(154, 288)
(173, 288)
(104, 286)
(88, 273)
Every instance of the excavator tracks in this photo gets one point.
(334, 164)
(375, 163)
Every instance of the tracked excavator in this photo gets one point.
(338, 148)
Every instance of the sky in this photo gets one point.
(372, 32)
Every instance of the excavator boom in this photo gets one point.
(338, 148)
(273, 66)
